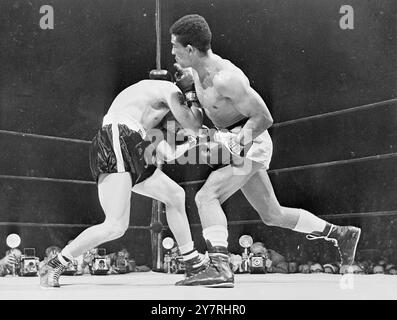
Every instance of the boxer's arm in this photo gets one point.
(190, 118)
(247, 101)
(158, 149)
(167, 152)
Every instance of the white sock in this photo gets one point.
(186, 247)
(187, 251)
(308, 223)
(217, 235)
(63, 261)
(65, 252)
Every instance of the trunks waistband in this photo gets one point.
(242, 122)
(129, 122)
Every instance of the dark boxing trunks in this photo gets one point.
(119, 149)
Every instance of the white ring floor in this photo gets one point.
(160, 286)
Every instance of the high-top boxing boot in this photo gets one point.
(194, 266)
(218, 272)
(345, 238)
(51, 271)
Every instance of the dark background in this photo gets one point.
(340, 163)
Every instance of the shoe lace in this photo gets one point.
(312, 237)
(57, 269)
(333, 240)
(205, 261)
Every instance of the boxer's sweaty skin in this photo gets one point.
(148, 101)
(143, 104)
(227, 97)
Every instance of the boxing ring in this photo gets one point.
(159, 286)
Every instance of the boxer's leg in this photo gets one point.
(160, 187)
(219, 186)
(115, 196)
(114, 191)
(259, 192)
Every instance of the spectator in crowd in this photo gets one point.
(292, 267)
(236, 263)
(304, 268)
(274, 262)
(354, 268)
(378, 269)
(331, 268)
(120, 262)
(391, 269)
(316, 268)
(382, 263)
(366, 265)
(50, 252)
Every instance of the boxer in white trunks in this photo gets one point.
(242, 117)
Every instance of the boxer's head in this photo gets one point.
(190, 37)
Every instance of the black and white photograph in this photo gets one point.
(198, 155)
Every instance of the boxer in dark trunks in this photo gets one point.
(120, 163)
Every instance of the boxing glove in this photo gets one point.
(229, 140)
(185, 82)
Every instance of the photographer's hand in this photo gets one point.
(8, 261)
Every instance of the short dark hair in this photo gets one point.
(194, 30)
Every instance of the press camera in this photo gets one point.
(99, 265)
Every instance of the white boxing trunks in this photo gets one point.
(262, 148)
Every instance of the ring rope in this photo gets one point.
(334, 113)
(33, 135)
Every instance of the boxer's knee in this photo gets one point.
(272, 216)
(204, 197)
(175, 198)
(114, 229)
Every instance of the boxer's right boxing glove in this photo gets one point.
(228, 139)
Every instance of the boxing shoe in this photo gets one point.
(345, 238)
(50, 272)
(216, 274)
(193, 267)
(196, 265)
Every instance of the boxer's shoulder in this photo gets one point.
(229, 82)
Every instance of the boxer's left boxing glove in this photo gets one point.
(185, 82)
